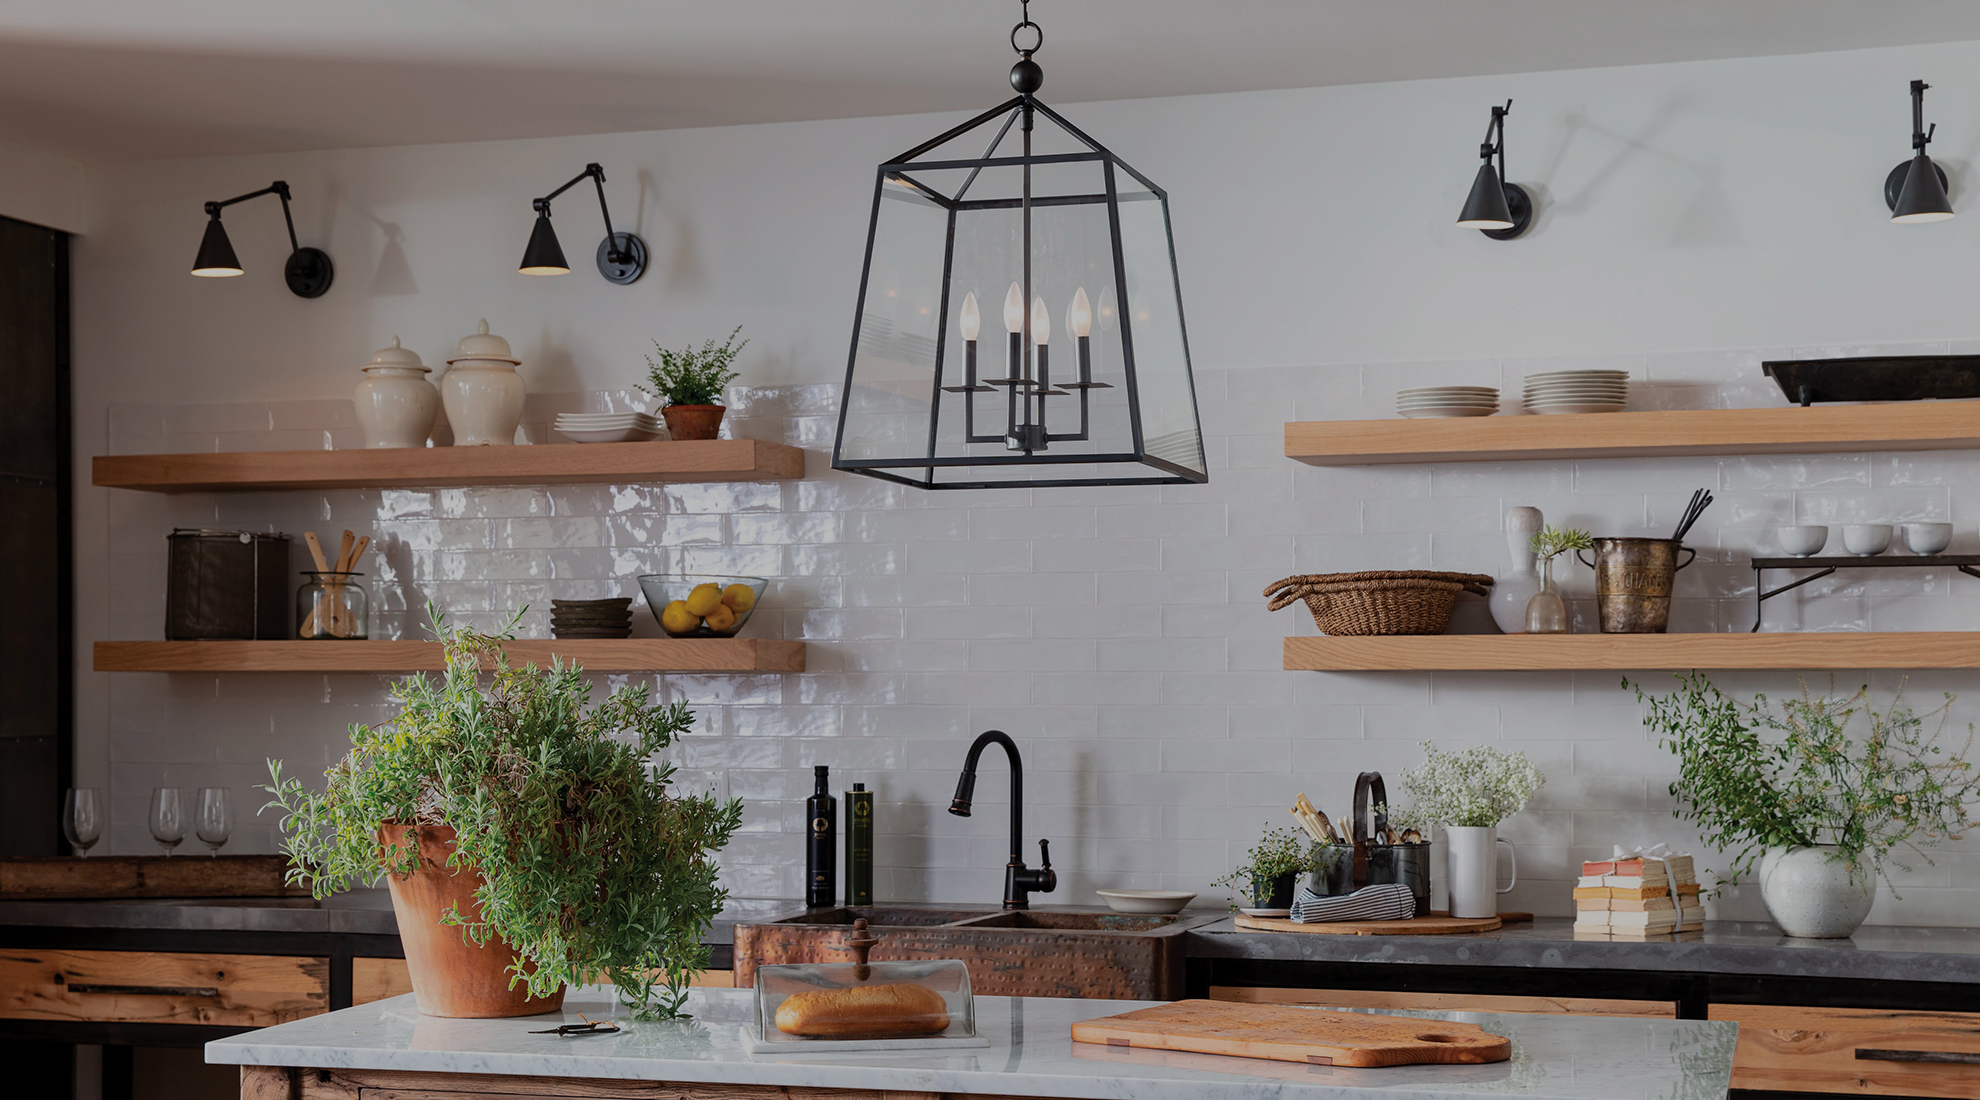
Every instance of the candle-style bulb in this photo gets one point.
(1014, 310)
(1079, 315)
(972, 321)
(1041, 322)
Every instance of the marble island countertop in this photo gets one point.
(1031, 1054)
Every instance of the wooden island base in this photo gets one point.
(292, 1083)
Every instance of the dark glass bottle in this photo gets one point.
(821, 872)
(859, 845)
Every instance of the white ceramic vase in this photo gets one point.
(395, 403)
(1813, 895)
(1471, 872)
(483, 393)
(1522, 582)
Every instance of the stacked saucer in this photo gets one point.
(1427, 402)
(591, 618)
(1577, 391)
(629, 427)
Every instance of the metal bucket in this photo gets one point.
(1633, 579)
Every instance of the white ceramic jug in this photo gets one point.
(1472, 869)
(483, 393)
(395, 403)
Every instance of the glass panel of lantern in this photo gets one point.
(959, 379)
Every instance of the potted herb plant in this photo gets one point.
(1469, 792)
(1797, 794)
(529, 840)
(690, 381)
(1270, 870)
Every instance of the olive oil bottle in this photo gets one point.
(821, 878)
(859, 845)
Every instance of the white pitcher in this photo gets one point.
(1472, 869)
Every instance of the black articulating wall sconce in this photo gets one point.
(1496, 208)
(621, 256)
(1914, 195)
(308, 272)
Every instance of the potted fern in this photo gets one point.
(529, 840)
(690, 381)
(1271, 870)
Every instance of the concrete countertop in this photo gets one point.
(1882, 952)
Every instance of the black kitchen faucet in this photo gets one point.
(1019, 880)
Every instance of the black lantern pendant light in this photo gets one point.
(308, 272)
(1914, 193)
(1499, 209)
(621, 256)
(1058, 219)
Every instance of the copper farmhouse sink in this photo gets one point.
(1021, 953)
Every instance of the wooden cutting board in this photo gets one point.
(1283, 1033)
(189, 876)
(1419, 926)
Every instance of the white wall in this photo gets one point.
(1694, 218)
(41, 188)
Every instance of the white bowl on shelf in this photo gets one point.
(1866, 539)
(1802, 541)
(1926, 539)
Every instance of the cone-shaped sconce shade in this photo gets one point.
(544, 256)
(1486, 207)
(1923, 198)
(216, 253)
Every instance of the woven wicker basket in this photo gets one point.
(1409, 601)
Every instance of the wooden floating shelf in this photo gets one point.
(1560, 652)
(595, 654)
(447, 467)
(1826, 429)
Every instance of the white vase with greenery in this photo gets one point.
(1469, 792)
(1798, 794)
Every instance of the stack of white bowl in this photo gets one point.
(1427, 402)
(1577, 391)
(629, 427)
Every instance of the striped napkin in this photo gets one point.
(1388, 901)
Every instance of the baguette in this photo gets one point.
(890, 1010)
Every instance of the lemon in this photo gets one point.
(721, 620)
(741, 597)
(704, 598)
(677, 619)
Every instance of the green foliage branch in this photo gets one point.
(693, 376)
(1550, 542)
(592, 863)
(1758, 776)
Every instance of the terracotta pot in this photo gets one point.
(693, 421)
(451, 977)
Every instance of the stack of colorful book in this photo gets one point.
(1637, 898)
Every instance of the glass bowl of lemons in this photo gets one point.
(691, 605)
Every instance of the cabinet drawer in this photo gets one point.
(1454, 1002)
(1869, 1051)
(151, 987)
(377, 979)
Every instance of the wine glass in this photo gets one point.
(82, 818)
(215, 820)
(168, 821)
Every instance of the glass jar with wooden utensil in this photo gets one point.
(332, 604)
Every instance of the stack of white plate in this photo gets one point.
(607, 427)
(1577, 391)
(1427, 402)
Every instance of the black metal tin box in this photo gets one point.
(226, 584)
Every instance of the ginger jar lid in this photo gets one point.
(482, 344)
(397, 358)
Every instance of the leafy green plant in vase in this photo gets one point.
(529, 839)
(691, 381)
(1271, 869)
(1546, 612)
(1469, 792)
(1816, 796)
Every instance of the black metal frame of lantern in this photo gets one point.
(1027, 436)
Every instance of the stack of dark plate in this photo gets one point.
(591, 618)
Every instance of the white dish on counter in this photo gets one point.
(1147, 901)
(1266, 912)
(752, 1043)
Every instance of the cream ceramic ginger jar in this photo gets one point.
(483, 393)
(396, 405)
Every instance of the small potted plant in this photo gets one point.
(1468, 792)
(1271, 870)
(690, 381)
(1796, 795)
(529, 840)
(1546, 612)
